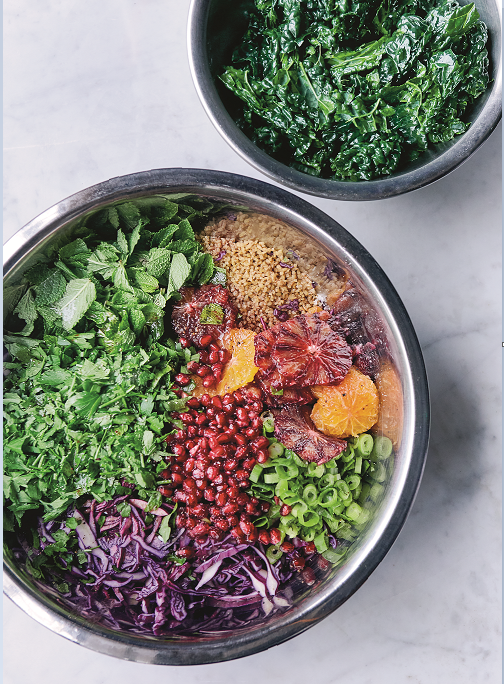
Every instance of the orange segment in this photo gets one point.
(347, 409)
(390, 418)
(240, 369)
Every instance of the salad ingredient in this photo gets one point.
(356, 91)
(207, 311)
(240, 369)
(258, 283)
(346, 409)
(295, 430)
(390, 418)
(303, 351)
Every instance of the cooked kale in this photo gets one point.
(357, 89)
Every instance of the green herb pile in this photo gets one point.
(355, 89)
(87, 397)
(332, 498)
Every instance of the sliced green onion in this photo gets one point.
(382, 448)
(262, 521)
(366, 487)
(276, 449)
(357, 514)
(268, 421)
(358, 465)
(299, 508)
(310, 494)
(312, 520)
(255, 473)
(378, 471)
(327, 480)
(273, 553)
(343, 489)
(364, 445)
(348, 454)
(376, 491)
(315, 470)
(328, 497)
(291, 530)
(320, 542)
(353, 481)
(308, 534)
(282, 489)
(271, 478)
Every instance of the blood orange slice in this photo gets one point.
(202, 311)
(390, 417)
(346, 409)
(302, 352)
(295, 430)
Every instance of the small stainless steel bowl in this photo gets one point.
(327, 239)
(216, 27)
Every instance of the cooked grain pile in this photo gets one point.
(262, 277)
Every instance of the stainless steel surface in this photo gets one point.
(333, 241)
(217, 26)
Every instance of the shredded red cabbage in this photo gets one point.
(133, 580)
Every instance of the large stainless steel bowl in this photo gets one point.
(328, 239)
(216, 27)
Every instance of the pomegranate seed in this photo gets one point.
(228, 408)
(182, 379)
(241, 475)
(203, 356)
(198, 473)
(275, 536)
(192, 366)
(202, 371)
(240, 439)
(205, 400)
(176, 469)
(308, 576)
(228, 399)
(287, 546)
(230, 464)
(264, 537)
(242, 499)
(232, 492)
(222, 524)
(217, 368)
(224, 355)
(209, 494)
(221, 422)
(249, 463)
(221, 498)
(199, 510)
(237, 533)
(246, 527)
(241, 413)
(262, 456)
(256, 423)
(209, 432)
(201, 484)
(232, 428)
(205, 340)
(189, 485)
(243, 483)
(250, 432)
(310, 547)
(177, 478)
(185, 552)
(224, 437)
(285, 510)
(193, 402)
(230, 508)
(165, 491)
(184, 342)
(212, 472)
(217, 402)
(241, 452)
(208, 381)
(186, 418)
(180, 496)
(181, 435)
(220, 479)
(213, 347)
(180, 520)
(213, 356)
(252, 415)
(189, 465)
(200, 419)
(179, 450)
(251, 509)
(201, 528)
(217, 452)
(298, 563)
(260, 443)
(165, 474)
(192, 431)
(264, 506)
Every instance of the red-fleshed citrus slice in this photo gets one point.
(240, 369)
(295, 430)
(302, 352)
(206, 310)
(390, 415)
(346, 409)
(288, 395)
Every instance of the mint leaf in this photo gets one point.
(51, 289)
(27, 311)
(129, 214)
(103, 260)
(184, 231)
(137, 320)
(122, 243)
(202, 269)
(79, 296)
(219, 277)
(179, 272)
(158, 261)
(120, 279)
(145, 282)
(212, 314)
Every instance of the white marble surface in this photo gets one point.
(101, 88)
